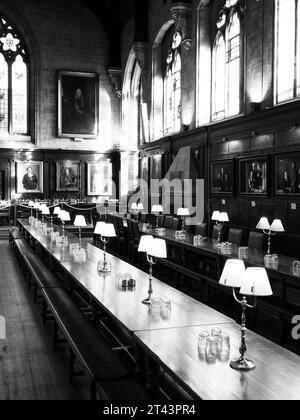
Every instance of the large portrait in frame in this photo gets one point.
(67, 176)
(287, 174)
(99, 178)
(144, 169)
(253, 176)
(30, 177)
(223, 177)
(78, 104)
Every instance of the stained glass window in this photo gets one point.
(172, 88)
(287, 45)
(13, 81)
(226, 66)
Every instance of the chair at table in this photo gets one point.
(130, 238)
(136, 240)
(168, 222)
(161, 221)
(143, 217)
(215, 232)
(256, 240)
(235, 236)
(201, 229)
(175, 223)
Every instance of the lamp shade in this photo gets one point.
(263, 224)
(80, 221)
(233, 273)
(256, 283)
(134, 206)
(31, 204)
(158, 248)
(145, 243)
(42, 207)
(45, 211)
(216, 216)
(57, 211)
(108, 231)
(64, 216)
(140, 206)
(224, 218)
(183, 212)
(277, 226)
(99, 228)
(157, 209)
(36, 206)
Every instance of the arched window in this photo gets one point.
(287, 50)
(226, 65)
(172, 88)
(13, 81)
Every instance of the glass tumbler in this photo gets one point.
(202, 339)
(211, 350)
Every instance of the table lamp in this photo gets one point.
(154, 248)
(106, 231)
(220, 219)
(183, 214)
(270, 230)
(156, 210)
(80, 222)
(251, 282)
(57, 211)
(64, 216)
(45, 212)
(98, 228)
(36, 208)
(31, 205)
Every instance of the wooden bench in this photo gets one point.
(14, 234)
(36, 273)
(107, 375)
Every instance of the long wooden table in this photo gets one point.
(126, 307)
(172, 343)
(276, 377)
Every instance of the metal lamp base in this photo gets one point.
(243, 365)
(105, 270)
(147, 301)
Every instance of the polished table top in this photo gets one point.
(126, 306)
(276, 377)
(255, 257)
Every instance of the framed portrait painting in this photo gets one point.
(223, 177)
(68, 176)
(156, 167)
(30, 177)
(78, 104)
(287, 174)
(99, 178)
(144, 170)
(254, 178)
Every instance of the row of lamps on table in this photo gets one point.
(253, 282)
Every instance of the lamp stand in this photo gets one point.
(183, 223)
(220, 227)
(269, 234)
(152, 262)
(243, 364)
(79, 237)
(105, 268)
(157, 227)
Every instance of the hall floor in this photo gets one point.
(30, 369)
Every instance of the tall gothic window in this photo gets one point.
(226, 63)
(172, 88)
(13, 81)
(287, 50)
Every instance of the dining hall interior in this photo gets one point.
(149, 200)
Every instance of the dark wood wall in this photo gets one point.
(269, 133)
(8, 159)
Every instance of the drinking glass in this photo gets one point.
(166, 308)
(156, 309)
(268, 260)
(211, 350)
(215, 332)
(224, 347)
(275, 261)
(202, 339)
